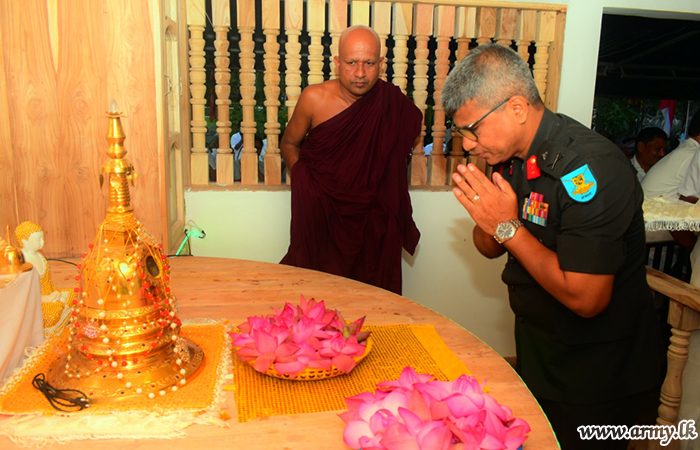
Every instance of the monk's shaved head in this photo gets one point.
(359, 32)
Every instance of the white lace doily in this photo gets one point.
(671, 214)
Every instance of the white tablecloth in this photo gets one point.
(21, 320)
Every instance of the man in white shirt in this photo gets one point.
(650, 147)
(689, 189)
(665, 177)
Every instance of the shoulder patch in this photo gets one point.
(580, 184)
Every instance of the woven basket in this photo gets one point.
(310, 374)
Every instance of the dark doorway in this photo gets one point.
(642, 57)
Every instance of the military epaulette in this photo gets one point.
(554, 158)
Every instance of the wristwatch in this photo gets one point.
(506, 230)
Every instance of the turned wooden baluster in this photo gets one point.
(546, 25)
(271, 25)
(506, 21)
(338, 21)
(485, 25)
(381, 23)
(465, 31)
(402, 20)
(246, 28)
(294, 15)
(485, 30)
(423, 28)
(222, 74)
(444, 30)
(359, 12)
(199, 160)
(525, 32)
(316, 25)
(683, 320)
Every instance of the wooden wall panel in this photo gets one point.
(61, 69)
(32, 99)
(8, 206)
(131, 74)
(74, 212)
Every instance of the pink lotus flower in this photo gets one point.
(417, 412)
(300, 337)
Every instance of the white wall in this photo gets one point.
(446, 273)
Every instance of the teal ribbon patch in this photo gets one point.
(580, 184)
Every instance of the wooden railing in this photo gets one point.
(441, 30)
(684, 317)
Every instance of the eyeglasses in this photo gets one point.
(468, 131)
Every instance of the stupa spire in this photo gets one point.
(117, 170)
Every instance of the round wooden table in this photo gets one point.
(235, 289)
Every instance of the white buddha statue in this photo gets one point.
(54, 301)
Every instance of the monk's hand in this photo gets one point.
(488, 203)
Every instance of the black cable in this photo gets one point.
(60, 397)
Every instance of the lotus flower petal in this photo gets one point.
(241, 340)
(344, 363)
(464, 405)
(373, 443)
(439, 410)
(412, 421)
(382, 420)
(354, 430)
(491, 443)
(434, 389)
(395, 400)
(352, 348)
(465, 384)
(419, 406)
(316, 312)
(322, 364)
(286, 349)
(292, 368)
(263, 362)
(248, 352)
(407, 378)
(303, 330)
(332, 347)
(398, 437)
(494, 407)
(306, 350)
(264, 342)
(434, 436)
(367, 410)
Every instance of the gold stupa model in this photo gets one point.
(124, 330)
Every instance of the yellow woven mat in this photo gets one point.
(18, 396)
(394, 348)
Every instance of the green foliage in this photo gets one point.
(616, 118)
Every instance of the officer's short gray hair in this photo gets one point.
(490, 74)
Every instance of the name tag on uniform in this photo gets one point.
(535, 209)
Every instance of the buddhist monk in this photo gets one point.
(346, 146)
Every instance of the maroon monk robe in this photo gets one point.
(351, 212)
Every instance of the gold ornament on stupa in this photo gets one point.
(124, 329)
